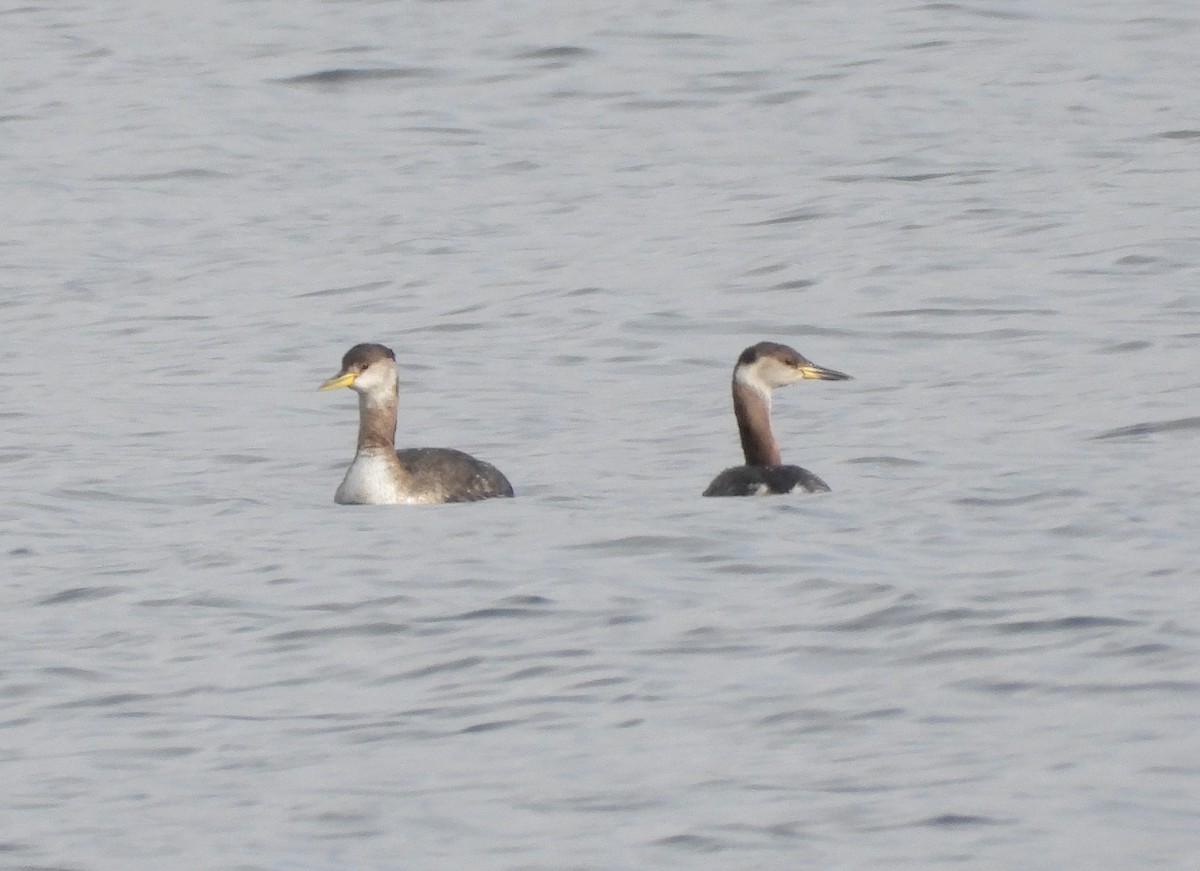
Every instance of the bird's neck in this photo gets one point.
(752, 406)
(377, 421)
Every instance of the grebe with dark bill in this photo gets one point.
(382, 475)
(759, 370)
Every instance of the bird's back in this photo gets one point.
(765, 481)
(452, 475)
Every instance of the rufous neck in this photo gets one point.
(752, 406)
(376, 421)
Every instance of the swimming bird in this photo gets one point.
(759, 370)
(382, 475)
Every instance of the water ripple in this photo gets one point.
(361, 629)
(1150, 428)
(81, 594)
(1028, 499)
(351, 75)
(954, 821)
(1061, 623)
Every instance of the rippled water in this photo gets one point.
(979, 651)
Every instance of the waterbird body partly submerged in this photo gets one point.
(759, 370)
(382, 475)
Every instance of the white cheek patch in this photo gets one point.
(377, 384)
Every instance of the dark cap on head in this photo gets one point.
(361, 356)
(789, 357)
(782, 353)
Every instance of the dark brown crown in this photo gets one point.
(782, 353)
(361, 356)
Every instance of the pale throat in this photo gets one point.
(750, 378)
(380, 398)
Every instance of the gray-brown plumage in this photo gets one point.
(759, 370)
(382, 475)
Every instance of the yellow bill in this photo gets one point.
(342, 379)
(812, 371)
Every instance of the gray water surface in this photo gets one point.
(982, 650)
